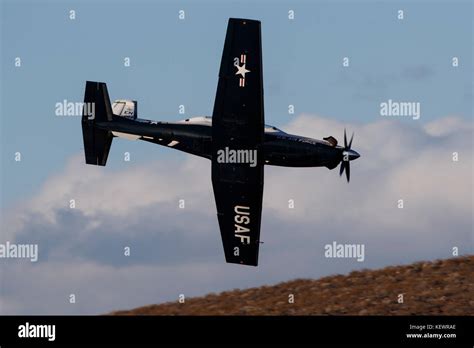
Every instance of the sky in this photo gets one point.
(175, 62)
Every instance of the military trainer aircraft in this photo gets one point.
(235, 139)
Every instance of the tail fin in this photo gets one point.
(96, 108)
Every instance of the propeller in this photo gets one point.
(347, 156)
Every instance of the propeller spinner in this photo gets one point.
(347, 156)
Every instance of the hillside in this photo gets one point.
(443, 287)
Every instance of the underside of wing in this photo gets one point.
(237, 142)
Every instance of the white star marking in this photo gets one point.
(241, 70)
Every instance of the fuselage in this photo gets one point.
(194, 136)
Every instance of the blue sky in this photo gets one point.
(176, 62)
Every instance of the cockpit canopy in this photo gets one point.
(125, 108)
(207, 121)
(203, 120)
(272, 129)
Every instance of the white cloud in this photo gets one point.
(447, 125)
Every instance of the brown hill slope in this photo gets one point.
(443, 287)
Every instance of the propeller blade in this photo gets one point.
(350, 142)
(351, 155)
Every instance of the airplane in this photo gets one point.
(235, 139)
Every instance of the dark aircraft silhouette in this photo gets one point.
(235, 139)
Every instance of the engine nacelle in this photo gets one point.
(125, 108)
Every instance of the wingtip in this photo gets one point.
(241, 262)
(244, 20)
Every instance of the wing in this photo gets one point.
(237, 142)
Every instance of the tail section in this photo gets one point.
(97, 108)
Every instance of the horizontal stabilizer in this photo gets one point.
(97, 141)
